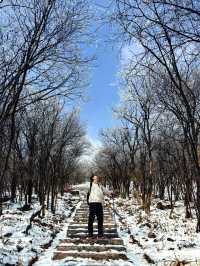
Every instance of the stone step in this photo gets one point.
(82, 234)
(81, 261)
(86, 221)
(84, 208)
(85, 202)
(96, 248)
(82, 219)
(87, 216)
(87, 211)
(58, 255)
(105, 208)
(81, 225)
(107, 241)
(112, 223)
(85, 230)
(77, 247)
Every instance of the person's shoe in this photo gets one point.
(101, 237)
(90, 237)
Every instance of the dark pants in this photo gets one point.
(95, 209)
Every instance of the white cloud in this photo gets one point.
(126, 54)
(129, 51)
(92, 151)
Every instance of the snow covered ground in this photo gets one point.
(160, 238)
(157, 237)
(17, 248)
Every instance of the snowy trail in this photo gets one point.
(165, 241)
(58, 239)
(72, 248)
(19, 248)
(77, 250)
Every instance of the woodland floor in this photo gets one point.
(132, 238)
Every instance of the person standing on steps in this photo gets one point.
(95, 199)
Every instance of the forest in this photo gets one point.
(45, 66)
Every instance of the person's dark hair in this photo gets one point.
(91, 180)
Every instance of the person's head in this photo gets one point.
(94, 178)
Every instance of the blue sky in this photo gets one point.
(103, 93)
(103, 90)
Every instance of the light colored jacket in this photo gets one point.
(97, 193)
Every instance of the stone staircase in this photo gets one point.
(77, 247)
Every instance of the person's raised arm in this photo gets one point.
(106, 191)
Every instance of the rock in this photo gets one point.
(19, 248)
(151, 235)
(148, 259)
(26, 207)
(134, 241)
(173, 215)
(8, 235)
(147, 224)
(170, 239)
(160, 206)
(33, 260)
(47, 245)
(75, 192)
(155, 225)
(179, 263)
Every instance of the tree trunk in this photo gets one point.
(198, 206)
(13, 188)
(30, 190)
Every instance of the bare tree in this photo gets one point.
(116, 159)
(139, 108)
(40, 57)
(172, 62)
